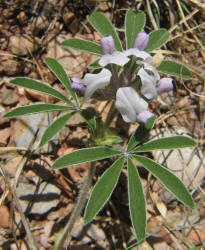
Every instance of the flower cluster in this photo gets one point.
(131, 77)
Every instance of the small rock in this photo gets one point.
(10, 67)
(68, 18)
(96, 233)
(5, 217)
(21, 46)
(186, 163)
(41, 23)
(43, 197)
(26, 127)
(9, 97)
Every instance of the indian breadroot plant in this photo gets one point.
(130, 79)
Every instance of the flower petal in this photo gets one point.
(107, 44)
(141, 40)
(142, 55)
(77, 85)
(96, 81)
(165, 85)
(144, 116)
(148, 88)
(116, 57)
(129, 103)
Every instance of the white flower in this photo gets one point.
(149, 82)
(96, 81)
(129, 103)
(116, 57)
(142, 56)
(108, 45)
(144, 116)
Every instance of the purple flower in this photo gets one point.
(77, 85)
(107, 44)
(165, 85)
(144, 116)
(141, 41)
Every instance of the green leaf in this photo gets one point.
(54, 128)
(174, 69)
(140, 133)
(137, 203)
(84, 155)
(169, 180)
(103, 25)
(134, 23)
(35, 108)
(60, 73)
(83, 45)
(171, 142)
(157, 38)
(40, 87)
(103, 189)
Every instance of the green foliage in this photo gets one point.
(84, 155)
(134, 23)
(103, 189)
(35, 108)
(83, 45)
(40, 87)
(103, 25)
(137, 203)
(60, 73)
(171, 142)
(174, 69)
(157, 38)
(169, 180)
(54, 128)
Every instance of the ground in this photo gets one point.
(31, 30)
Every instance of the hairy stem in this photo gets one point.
(78, 208)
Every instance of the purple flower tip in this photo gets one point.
(165, 85)
(107, 44)
(141, 41)
(77, 85)
(144, 116)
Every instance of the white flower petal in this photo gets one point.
(129, 103)
(116, 57)
(153, 70)
(148, 88)
(146, 57)
(96, 81)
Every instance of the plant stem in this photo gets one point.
(78, 208)
(110, 116)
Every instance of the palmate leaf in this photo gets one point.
(174, 69)
(157, 38)
(137, 203)
(84, 155)
(169, 180)
(35, 108)
(103, 25)
(60, 73)
(83, 45)
(54, 128)
(134, 23)
(40, 87)
(141, 132)
(103, 189)
(171, 142)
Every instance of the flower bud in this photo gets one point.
(141, 41)
(107, 44)
(77, 85)
(144, 116)
(165, 85)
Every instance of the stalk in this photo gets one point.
(78, 208)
